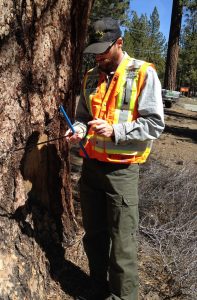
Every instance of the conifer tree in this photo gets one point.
(173, 45)
(110, 8)
(135, 38)
(143, 39)
(156, 43)
(187, 67)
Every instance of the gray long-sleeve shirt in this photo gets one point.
(150, 123)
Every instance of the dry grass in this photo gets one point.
(168, 213)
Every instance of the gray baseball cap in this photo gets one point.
(103, 34)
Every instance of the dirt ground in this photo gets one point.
(175, 148)
(177, 145)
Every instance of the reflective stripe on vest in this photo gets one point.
(117, 104)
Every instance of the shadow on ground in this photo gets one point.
(182, 132)
(179, 115)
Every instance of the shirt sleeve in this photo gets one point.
(150, 123)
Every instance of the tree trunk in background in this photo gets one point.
(173, 46)
(41, 45)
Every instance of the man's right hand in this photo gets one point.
(76, 137)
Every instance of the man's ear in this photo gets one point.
(119, 42)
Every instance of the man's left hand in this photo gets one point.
(102, 127)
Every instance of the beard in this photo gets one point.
(108, 65)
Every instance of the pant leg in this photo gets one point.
(94, 213)
(123, 222)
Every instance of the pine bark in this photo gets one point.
(173, 46)
(41, 45)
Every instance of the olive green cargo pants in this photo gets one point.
(109, 203)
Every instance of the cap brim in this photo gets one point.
(97, 48)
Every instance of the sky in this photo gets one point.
(164, 8)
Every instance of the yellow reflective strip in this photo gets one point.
(100, 150)
(90, 104)
(116, 116)
(89, 97)
(145, 66)
(119, 97)
(100, 137)
(133, 94)
(130, 117)
(127, 152)
(121, 152)
(147, 151)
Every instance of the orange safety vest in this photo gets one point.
(115, 104)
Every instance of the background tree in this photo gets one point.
(109, 8)
(187, 65)
(157, 44)
(173, 45)
(41, 44)
(135, 38)
(143, 39)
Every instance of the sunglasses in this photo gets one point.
(108, 49)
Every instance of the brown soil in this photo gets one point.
(175, 148)
(177, 145)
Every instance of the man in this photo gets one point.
(120, 112)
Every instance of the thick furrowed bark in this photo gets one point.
(40, 50)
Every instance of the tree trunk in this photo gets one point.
(41, 45)
(173, 46)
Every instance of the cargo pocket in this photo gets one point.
(130, 214)
(123, 214)
(130, 199)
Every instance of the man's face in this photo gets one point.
(110, 59)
